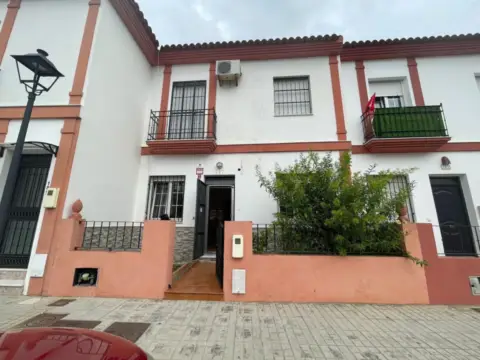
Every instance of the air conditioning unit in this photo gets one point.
(228, 70)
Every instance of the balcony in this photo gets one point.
(182, 132)
(405, 129)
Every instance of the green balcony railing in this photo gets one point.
(411, 121)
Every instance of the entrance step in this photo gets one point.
(208, 256)
(198, 283)
(12, 281)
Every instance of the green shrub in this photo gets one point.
(326, 209)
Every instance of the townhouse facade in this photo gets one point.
(137, 131)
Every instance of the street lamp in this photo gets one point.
(31, 69)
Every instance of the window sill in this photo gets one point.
(301, 115)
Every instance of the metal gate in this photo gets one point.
(16, 242)
(219, 254)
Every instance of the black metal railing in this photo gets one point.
(277, 239)
(112, 235)
(459, 240)
(182, 125)
(411, 121)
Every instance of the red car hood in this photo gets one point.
(66, 344)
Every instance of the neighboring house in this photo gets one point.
(140, 132)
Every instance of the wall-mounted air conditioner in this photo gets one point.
(228, 71)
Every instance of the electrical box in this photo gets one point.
(50, 199)
(238, 281)
(237, 247)
(475, 285)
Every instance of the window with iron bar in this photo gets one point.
(397, 184)
(292, 96)
(165, 197)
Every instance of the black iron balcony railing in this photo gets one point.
(404, 122)
(182, 125)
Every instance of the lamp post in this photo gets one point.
(39, 67)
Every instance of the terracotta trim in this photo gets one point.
(136, 24)
(421, 49)
(167, 78)
(3, 130)
(362, 84)
(212, 97)
(250, 52)
(275, 147)
(84, 54)
(60, 179)
(450, 147)
(415, 80)
(7, 26)
(337, 98)
(42, 112)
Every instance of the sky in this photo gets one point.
(194, 21)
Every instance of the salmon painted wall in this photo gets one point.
(447, 277)
(353, 279)
(123, 274)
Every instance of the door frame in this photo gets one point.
(473, 228)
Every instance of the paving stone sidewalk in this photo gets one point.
(218, 330)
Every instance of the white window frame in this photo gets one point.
(152, 195)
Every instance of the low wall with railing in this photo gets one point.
(324, 278)
(133, 260)
(448, 274)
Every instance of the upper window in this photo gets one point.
(165, 197)
(187, 111)
(389, 94)
(292, 96)
(477, 78)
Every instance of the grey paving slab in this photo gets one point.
(216, 330)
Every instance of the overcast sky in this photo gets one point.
(192, 21)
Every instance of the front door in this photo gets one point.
(452, 216)
(200, 223)
(16, 242)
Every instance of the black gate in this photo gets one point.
(200, 220)
(219, 255)
(452, 216)
(16, 242)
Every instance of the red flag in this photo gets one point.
(371, 104)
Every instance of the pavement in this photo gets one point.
(219, 330)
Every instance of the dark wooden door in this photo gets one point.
(452, 216)
(200, 220)
(16, 242)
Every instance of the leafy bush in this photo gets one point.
(326, 209)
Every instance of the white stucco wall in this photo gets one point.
(252, 203)
(426, 165)
(246, 113)
(55, 26)
(48, 131)
(3, 11)
(451, 81)
(107, 158)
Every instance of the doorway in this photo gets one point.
(219, 211)
(16, 242)
(453, 217)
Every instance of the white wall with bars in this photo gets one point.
(255, 112)
(424, 166)
(251, 202)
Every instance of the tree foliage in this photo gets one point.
(324, 208)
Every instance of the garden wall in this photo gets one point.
(321, 278)
(144, 273)
(447, 277)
